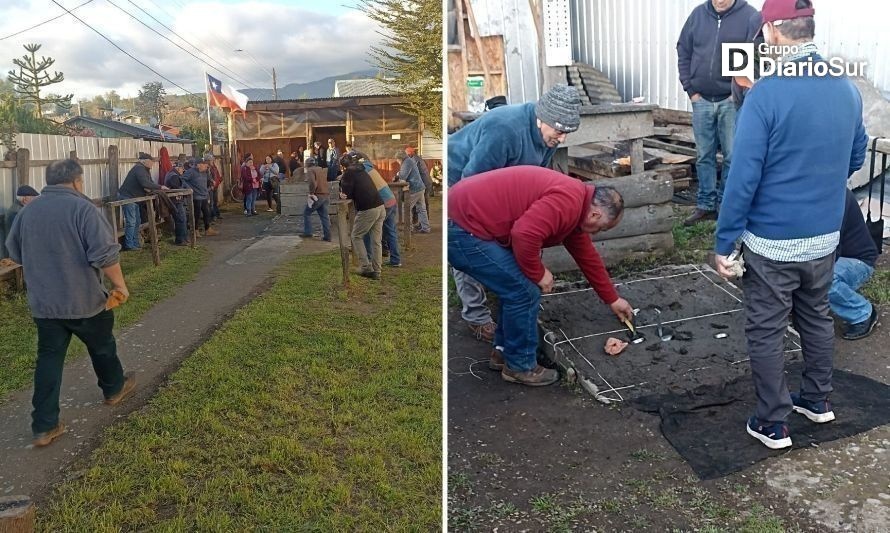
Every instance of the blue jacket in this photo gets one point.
(506, 136)
(797, 141)
(197, 182)
(410, 173)
(699, 45)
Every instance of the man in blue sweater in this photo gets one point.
(507, 136)
(711, 24)
(798, 140)
(855, 263)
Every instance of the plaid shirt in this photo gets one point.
(793, 250)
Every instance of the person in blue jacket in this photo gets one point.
(507, 136)
(799, 139)
(708, 27)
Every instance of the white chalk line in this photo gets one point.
(618, 284)
(591, 366)
(470, 368)
(714, 283)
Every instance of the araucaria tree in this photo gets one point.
(32, 76)
(411, 51)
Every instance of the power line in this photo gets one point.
(170, 40)
(42, 23)
(224, 66)
(128, 54)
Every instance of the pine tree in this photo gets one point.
(32, 76)
(412, 52)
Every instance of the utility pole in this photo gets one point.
(274, 84)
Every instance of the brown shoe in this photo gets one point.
(496, 360)
(45, 438)
(211, 232)
(129, 386)
(698, 216)
(484, 332)
(536, 377)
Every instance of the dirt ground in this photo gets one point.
(554, 459)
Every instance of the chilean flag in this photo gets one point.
(221, 95)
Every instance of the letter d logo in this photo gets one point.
(737, 59)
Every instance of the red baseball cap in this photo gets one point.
(774, 10)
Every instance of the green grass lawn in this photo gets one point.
(148, 285)
(310, 410)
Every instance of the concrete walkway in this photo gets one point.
(243, 258)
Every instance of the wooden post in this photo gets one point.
(114, 168)
(153, 233)
(113, 221)
(22, 166)
(636, 156)
(343, 237)
(351, 224)
(17, 514)
(72, 155)
(190, 209)
(406, 203)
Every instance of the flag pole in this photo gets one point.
(207, 97)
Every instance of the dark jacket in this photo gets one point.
(137, 181)
(698, 49)
(320, 158)
(856, 241)
(424, 172)
(507, 136)
(173, 180)
(198, 182)
(357, 185)
(63, 242)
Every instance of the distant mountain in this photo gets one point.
(323, 88)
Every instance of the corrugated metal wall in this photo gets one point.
(634, 41)
(513, 20)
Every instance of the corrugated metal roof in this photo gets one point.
(361, 87)
(134, 130)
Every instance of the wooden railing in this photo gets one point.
(152, 224)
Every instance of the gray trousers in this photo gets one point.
(472, 298)
(773, 290)
(370, 222)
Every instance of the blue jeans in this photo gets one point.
(179, 223)
(495, 267)
(849, 305)
(712, 122)
(321, 205)
(390, 236)
(250, 200)
(132, 220)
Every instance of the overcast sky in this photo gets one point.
(304, 40)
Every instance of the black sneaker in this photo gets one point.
(863, 329)
(370, 275)
(698, 216)
(774, 436)
(818, 412)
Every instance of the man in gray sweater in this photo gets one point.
(65, 246)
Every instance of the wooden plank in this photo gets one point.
(668, 147)
(190, 210)
(674, 171)
(611, 126)
(641, 189)
(153, 233)
(641, 220)
(672, 116)
(343, 238)
(22, 166)
(636, 156)
(474, 33)
(612, 251)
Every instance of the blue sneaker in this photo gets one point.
(774, 437)
(818, 412)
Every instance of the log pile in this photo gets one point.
(645, 227)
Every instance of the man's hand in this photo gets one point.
(622, 309)
(695, 97)
(342, 196)
(546, 282)
(724, 266)
(165, 188)
(123, 290)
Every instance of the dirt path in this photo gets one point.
(243, 260)
(553, 459)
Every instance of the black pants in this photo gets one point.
(53, 338)
(214, 204)
(202, 208)
(773, 290)
(269, 189)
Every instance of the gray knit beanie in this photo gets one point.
(560, 108)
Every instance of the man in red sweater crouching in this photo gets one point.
(499, 221)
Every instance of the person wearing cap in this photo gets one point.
(499, 223)
(173, 179)
(135, 185)
(711, 24)
(409, 172)
(25, 193)
(67, 249)
(506, 136)
(332, 156)
(424, 175)
(320, 189)
(282, 166)
(358, 186)
(798, 140)
(197, 178)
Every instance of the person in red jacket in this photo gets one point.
(498, 223)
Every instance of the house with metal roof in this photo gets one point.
(114, 129)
